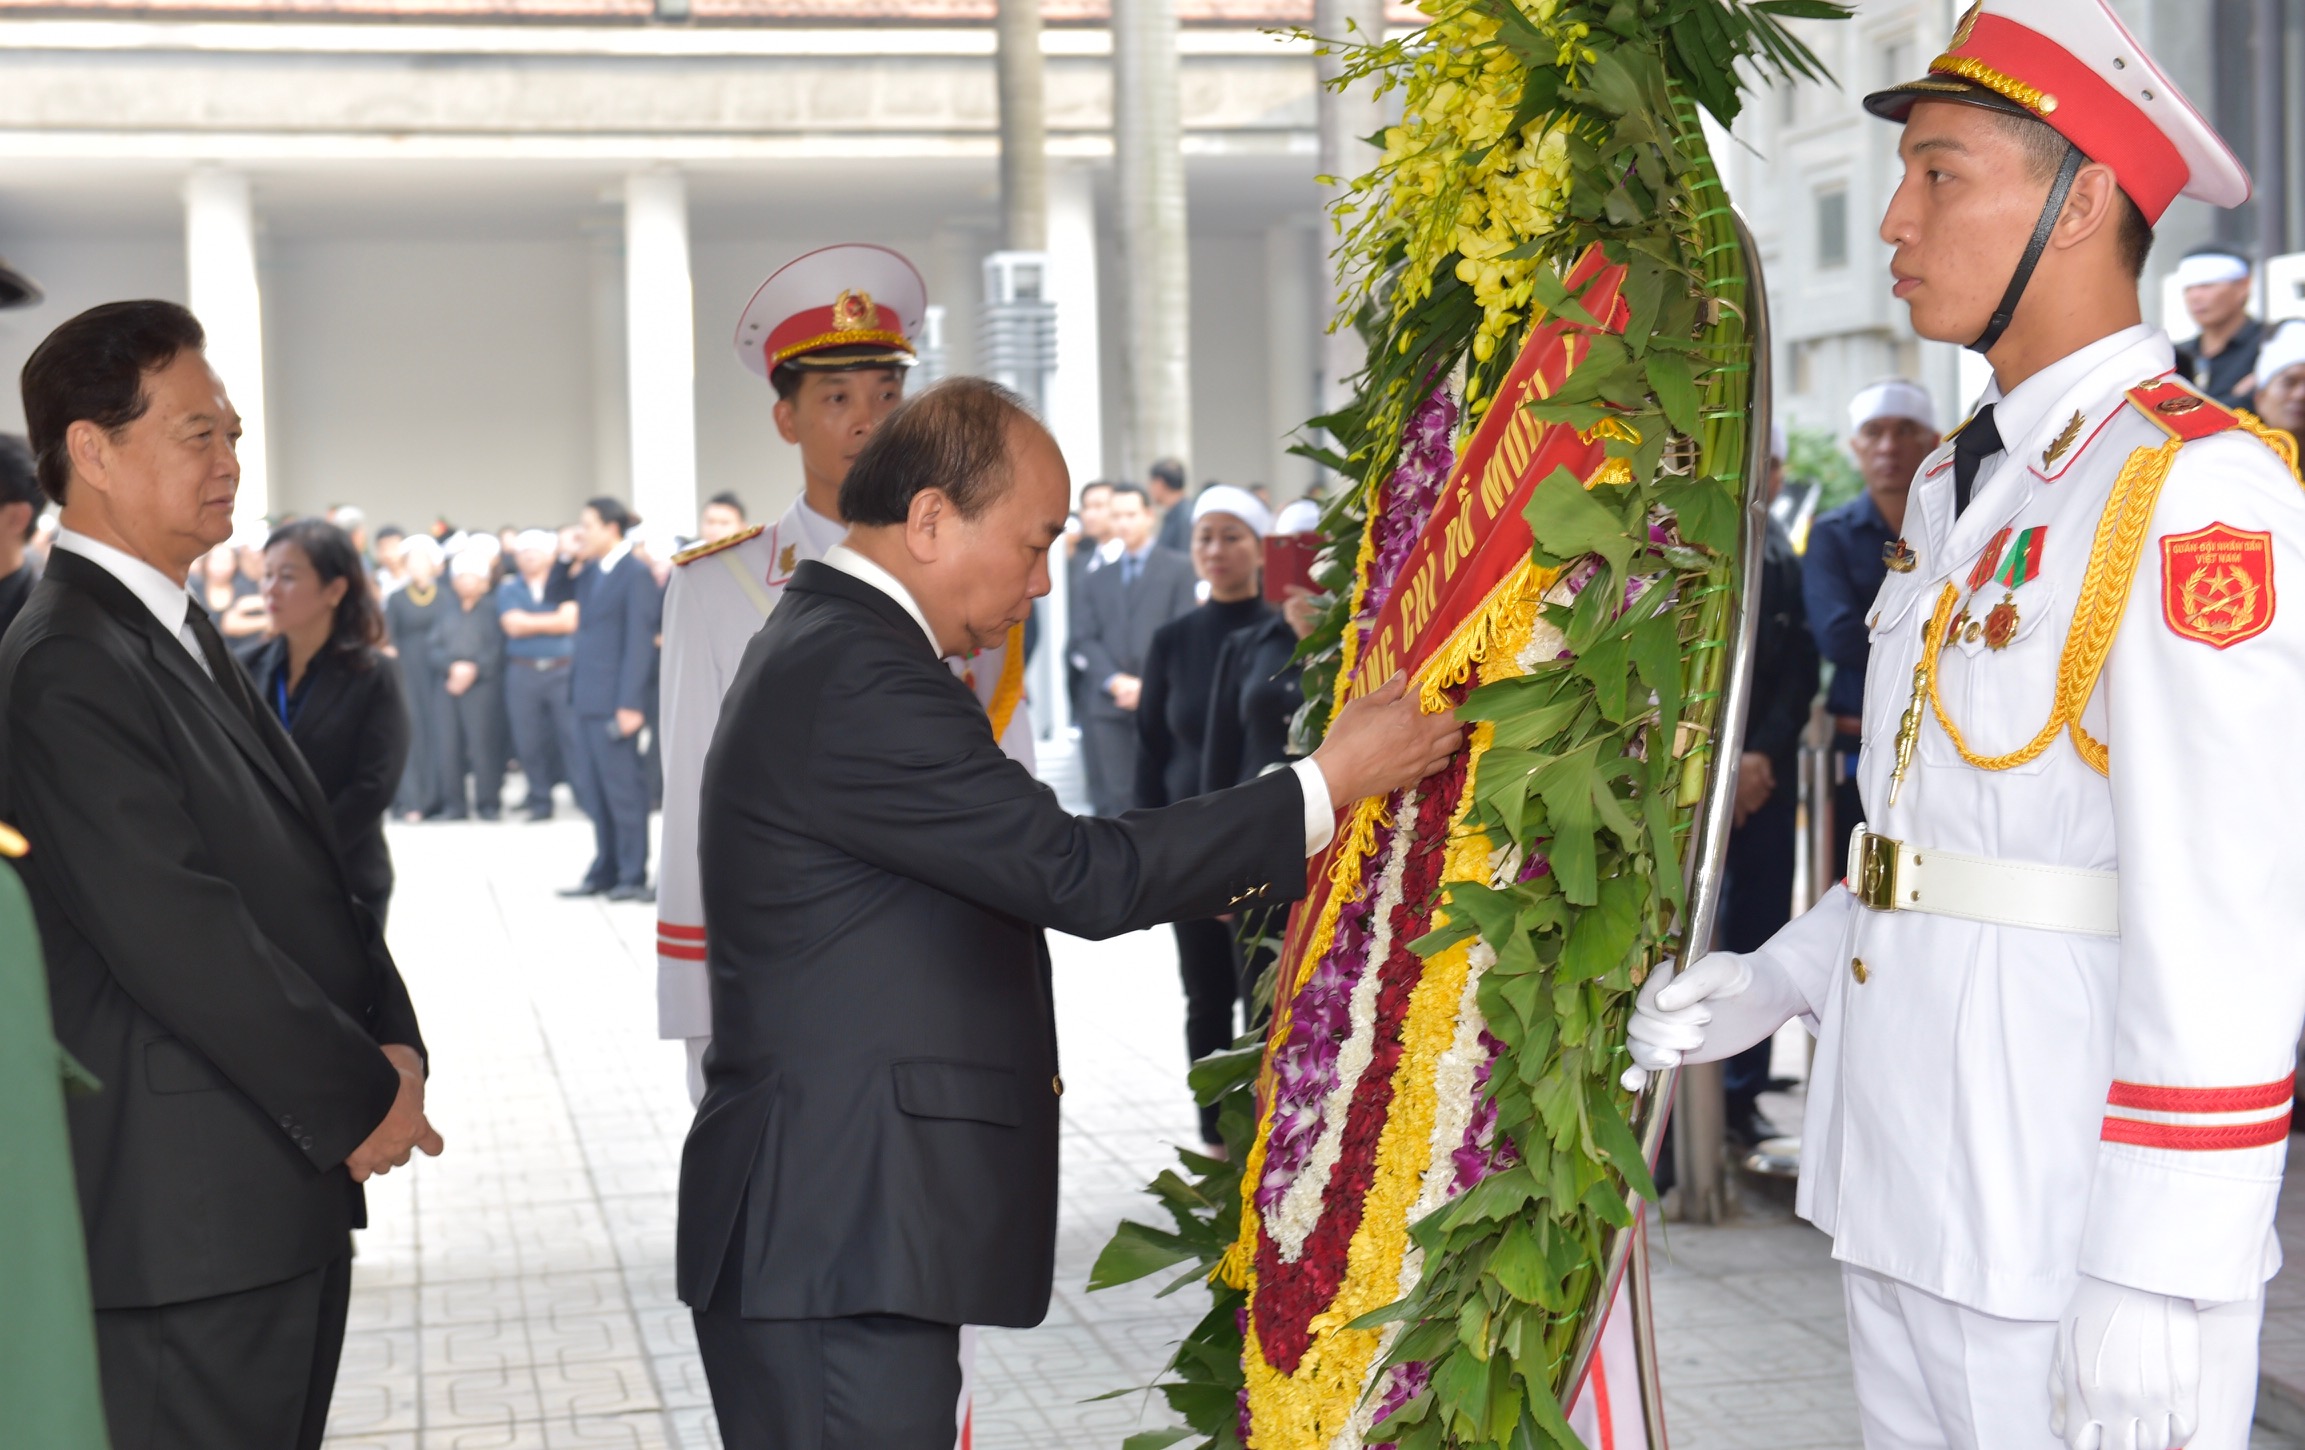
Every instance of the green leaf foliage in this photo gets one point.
(1597, 760)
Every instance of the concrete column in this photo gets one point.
(611, 423)
(221, 286)
(2272, 169)
(1076, 392)
(660, 350)
(1295, 286)
(1347, 120)
(1023, 128)
(1149, 169)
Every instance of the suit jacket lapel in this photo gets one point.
(176, 661)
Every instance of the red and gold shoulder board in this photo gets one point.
(2179, 411)
(711, 547)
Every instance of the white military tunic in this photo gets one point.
(713, 607)
(1997, 1109)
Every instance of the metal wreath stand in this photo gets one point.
(1628, 1248)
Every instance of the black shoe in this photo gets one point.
(491, 815)
(540, 813)
(586, 888)
(1748, 1129)
(632, 893)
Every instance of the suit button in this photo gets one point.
(1056, 1085)
(305, 1142)
(1858, 970)
(288, 1122)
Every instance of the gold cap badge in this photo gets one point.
(854, 312)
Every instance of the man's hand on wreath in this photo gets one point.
(1384, 741)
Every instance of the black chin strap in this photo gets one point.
(2050, 210)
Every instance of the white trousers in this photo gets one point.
(1933, 1375)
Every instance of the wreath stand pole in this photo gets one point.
(1708, 854)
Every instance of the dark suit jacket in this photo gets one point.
(1255, 699)
(1784, 664)
(352, 729)
(613, 664)
(881, 1096)
(206, 959)
(1117, 621)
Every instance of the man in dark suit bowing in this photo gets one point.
(875, 1160)
(206, 960)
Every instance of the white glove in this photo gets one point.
(1717, 1008)
(2127, 1374)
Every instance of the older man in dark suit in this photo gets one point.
(206, 958)
(874, 1163)
(1122, 604)
(612, 682)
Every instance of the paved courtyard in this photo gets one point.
(517, 1292)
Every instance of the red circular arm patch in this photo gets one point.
(2217, 584)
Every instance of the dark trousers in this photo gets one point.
(1848, 801)
(871, 1382)
(246, 1371)
(617, 787)
(537, 702)
(1210, 966)
(419, 789)
(1757, 900)
(472, 745)
(1108, 758)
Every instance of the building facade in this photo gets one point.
(481, 259)
(1813, 174)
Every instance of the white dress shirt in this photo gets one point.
(1320, 813)
(168, 599)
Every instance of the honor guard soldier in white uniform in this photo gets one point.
(2058, 997)
(832, 332)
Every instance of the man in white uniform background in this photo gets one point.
(2058, 998)
(832, 332)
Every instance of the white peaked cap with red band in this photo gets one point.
(852, 305)
(2074, 66)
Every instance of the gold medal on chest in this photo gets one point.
(1899, 556)
(2001, 624)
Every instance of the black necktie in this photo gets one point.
(1980, 440)
(220, 665)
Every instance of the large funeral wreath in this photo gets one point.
(1429, 1149)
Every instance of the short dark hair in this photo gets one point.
(92, 369)
(1133, 490)
(613, 513)
(389, 531)
(1092, 486)
(1170, 471)
(17, 481)
(359, 624)
(2045, 149)
(727, 499)
(952, 436)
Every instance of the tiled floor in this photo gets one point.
(518, 1292)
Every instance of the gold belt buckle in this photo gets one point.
(1877, 872)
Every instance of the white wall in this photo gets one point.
(77, 271)
(1232, 434)
(419, 378)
